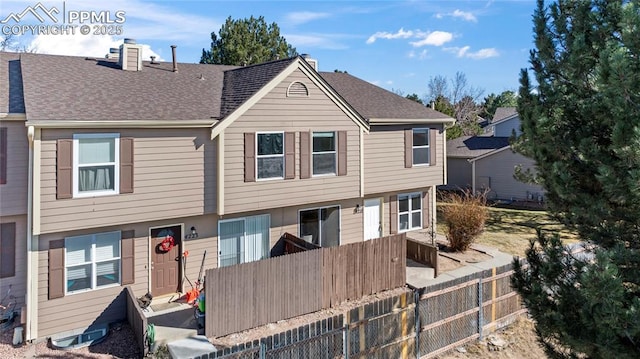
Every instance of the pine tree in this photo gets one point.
(581, 125)
(246, 42)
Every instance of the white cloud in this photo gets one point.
(477, 55)
(465, 15)
(457, 13)
(321, 41)
(423, 54)
(401, 34)
(81, 45)
(301, 17)
(435, 38)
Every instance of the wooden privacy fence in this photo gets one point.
(252, 294)
(424, 253)
(137, 321)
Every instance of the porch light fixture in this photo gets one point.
(193, 234)
(358, 209)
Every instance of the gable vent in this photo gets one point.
(297, 89)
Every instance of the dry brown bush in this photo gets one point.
(465, 217)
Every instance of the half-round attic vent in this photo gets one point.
(297, 89)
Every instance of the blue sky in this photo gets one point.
(398, 45)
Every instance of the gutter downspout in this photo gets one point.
(473, 176)
(29, 330)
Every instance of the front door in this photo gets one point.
(165, 260)
(372, 224)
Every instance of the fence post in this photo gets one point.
(416, 298)
(345, 341)
(480, 314)
(263, 350)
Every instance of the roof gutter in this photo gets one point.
(122, 123)
(403, 121)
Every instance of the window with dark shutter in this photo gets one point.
(64, 169)
(433, 133)
(126, 165)
(7, 250)
(3, 155)
(250, 157)
(408, 148)
(127, 257)
(290, 155)
(393, 213)
(56, 269)
(342, 153)
(305, 155)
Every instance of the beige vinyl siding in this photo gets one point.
(384, 169)
(386, 216)
(102, 305)
(174, 176)
(14, 192)
(500, 168)
(277, 112)
(19, 281)
(458, 173)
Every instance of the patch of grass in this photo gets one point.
(510, 230)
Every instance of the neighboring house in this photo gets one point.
(488, 163)
(112, 169)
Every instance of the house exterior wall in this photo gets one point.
(384, 167)
(104, 305)
(506, 128)
(277, 112)
(18, 282)
(458, 173)
(500, 169)
(174, 176)
(14, 192)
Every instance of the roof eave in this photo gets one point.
(122, 123)
(402, 121)
(491, 153)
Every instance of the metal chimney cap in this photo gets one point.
(130, 41)
(114, 50)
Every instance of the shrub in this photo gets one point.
(465, 215)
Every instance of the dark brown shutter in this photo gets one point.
(426, 207)
(64, 170)
(305, 156)
(433, 133)
(3, 155)
(393, 213)
(126, 165)
(56, 269)
(7, 250)
(289, 155)
(127, 257)
(408, 148)
(250, 157)
(342, 153)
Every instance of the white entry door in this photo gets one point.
(372, 224)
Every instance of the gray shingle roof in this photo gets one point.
(78, 88)
(242, 83)
(372, 101)
(503, 112)
(11, 97)
(474, 146)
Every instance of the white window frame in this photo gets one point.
(320, 227)
(414, 147)
(410, 211)
(270, 156)
(334, 152)
(244, 235)
(76, 165)
(93, 262)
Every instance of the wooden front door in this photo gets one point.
(165, 265)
